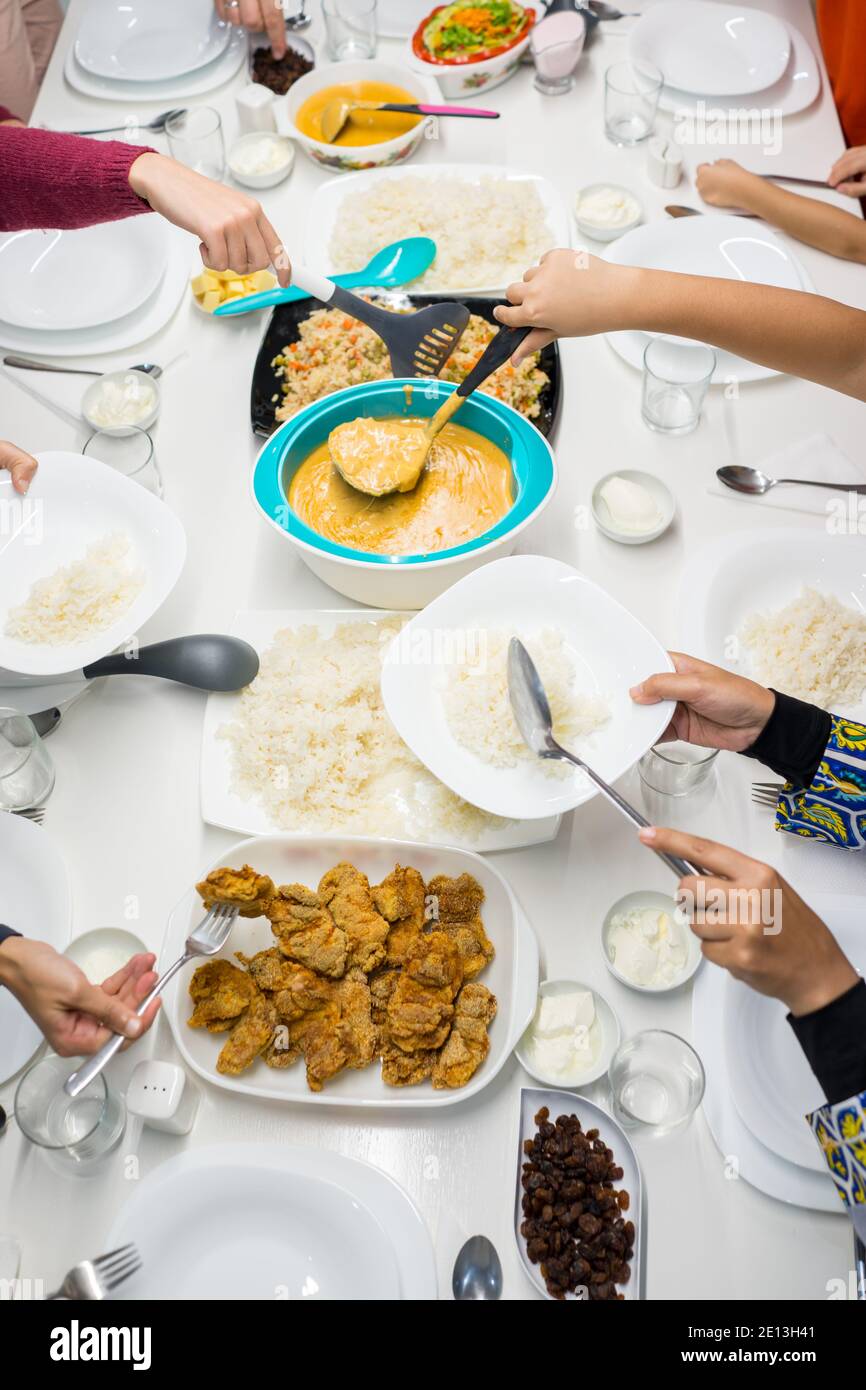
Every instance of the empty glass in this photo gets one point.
(351, 28)
(675, 381)
(26, 769)
(656, 1081)
(195, 138)
(78, 1132)
(631, 96)
(676, 768)
(131, 454)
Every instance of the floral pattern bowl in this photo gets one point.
(465, 79)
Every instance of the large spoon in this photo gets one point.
(755, 483)
(335, 115)
(535, 722)
(477, 1272)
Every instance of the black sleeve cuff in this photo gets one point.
(6, 932)
(834, 1041)
(793, 740)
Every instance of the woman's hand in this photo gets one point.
(715, 709)
(570, 294)
(753, 924)
(257, 15)
(21, 466)
(75, 1016)
(848, 174)
(726, 184)
(232, 228)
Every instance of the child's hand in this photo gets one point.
(848, 174)
(726, 184)
(570, 294)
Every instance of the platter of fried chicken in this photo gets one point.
(357, 972)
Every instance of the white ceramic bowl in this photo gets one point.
(592, 229)
(458, 80)
(660, 902)
(274, 176)
(610, 1038)
(664, 499)
(102, 951)
(353, 158)
(89, 399)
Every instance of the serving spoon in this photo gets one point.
(334, 116)
(755, 483)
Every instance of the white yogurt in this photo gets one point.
(124, 398)
(607, 208)
(565, 1038)
(632, 506)
(264, 156)
(648, 947)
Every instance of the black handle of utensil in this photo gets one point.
(205, 661)
(498, 350)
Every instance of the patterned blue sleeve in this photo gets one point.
(841, 1132)
(833, 808)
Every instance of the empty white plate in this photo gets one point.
(712, 48)
(60, 280)
(148, 40)
(796, 89)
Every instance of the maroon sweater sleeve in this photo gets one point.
(50, 179)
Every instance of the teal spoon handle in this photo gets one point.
(356, 279)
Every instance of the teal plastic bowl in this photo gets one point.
(401, 581)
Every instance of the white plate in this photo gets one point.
(220, 805)
(265, 1221)
(149, 40)
(124, 332)
(214, 74)
(610, 649)
(325, 206)
(74, 501)
(771, 1082)
(37, 904)
(62, 280)
(711, 48)
(398, 19)
(512, 975)
(763, 570)
(721, 246)
(591, 1117)
(796, 89)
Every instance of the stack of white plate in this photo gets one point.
(728, 57)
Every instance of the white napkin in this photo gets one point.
(815, 457)
(62, 394)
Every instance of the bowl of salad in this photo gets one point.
(471, 45)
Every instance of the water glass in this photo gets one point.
(131, 454)
(195, 138)
(76, 1132)
(351, 29)
(656, 1081)
(26, 769)
(675, 381)
(676, 768)
(631, 96)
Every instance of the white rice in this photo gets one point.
(79, 599)
(814, 648)
(486, 232)
(478, 708)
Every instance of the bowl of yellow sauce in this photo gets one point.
(369, 138)
(490, 473)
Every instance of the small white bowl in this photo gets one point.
(88, 401)
(661, 903)
(354, 158)
(610, 1038)
(274, 176)
(592, 229)
(664, 499)
(102, 951)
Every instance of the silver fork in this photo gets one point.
(767, 793)
(208, 938)
(34, 813)
(94, 1279)
(156, 125)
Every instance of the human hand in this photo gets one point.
(233, 231)
(258, 16)
(21, 466)
(726, 184)
(754, 925)
(570, 294)
(715, 708)
(848, 174)
(76, 1017)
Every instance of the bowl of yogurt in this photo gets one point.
(648, 944)
(261, 159)
(632, 507)
(572, 1037)
(605, 211)
(122, 401)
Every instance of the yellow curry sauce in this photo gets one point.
(362, 127)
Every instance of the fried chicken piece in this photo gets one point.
(468, 1043)
(400, 898)
(246, 889)
(458, 905)
(270, 969)
(290, 1034)
(220, 992)
(406, 1068)
(305, 930)
(420, 1009)
(249, 1038)
(356, 1030)
(346, 891)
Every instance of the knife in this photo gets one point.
(680, 210)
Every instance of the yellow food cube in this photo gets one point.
(204, 282)
(211, 300)
(234, 288)
(261, 280)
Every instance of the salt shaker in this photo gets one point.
(255, 107)
(664, 162)
(162, 1095)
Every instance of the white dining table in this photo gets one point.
(125, 812)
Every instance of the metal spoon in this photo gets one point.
(31, 365)
(301, 20)
(477, 1272)
(610, 12)
(156, 125)
(755, 483)
(535, 722)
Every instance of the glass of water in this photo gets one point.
(677, 768)
(656, 1081)
(351, 28)
(26, 769)
(195, 138)
(76, 1132)
(675, 381)
(631, 96)
(131, 454)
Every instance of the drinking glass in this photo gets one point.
(656, 1081)
(677, 768)
(76, 1132)
(351, 28)
(555, 62)
(195, 138)
(26, 769)
(131, 454)
(631, 95)
(675, 381)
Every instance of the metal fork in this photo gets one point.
(157, 125)
(94, 1279)
(34, 813)
(767, 793)
(208, 938)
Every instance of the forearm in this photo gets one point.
(829, 228)
(54, 180)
